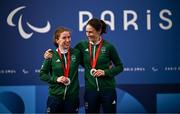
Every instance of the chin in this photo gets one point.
(67, 47)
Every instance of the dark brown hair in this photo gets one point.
(98, 25)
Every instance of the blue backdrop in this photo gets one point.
(145, 33)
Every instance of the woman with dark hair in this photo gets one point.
(61, 73)
(97, 55)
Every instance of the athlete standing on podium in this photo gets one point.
(61, 73)
(98, 55)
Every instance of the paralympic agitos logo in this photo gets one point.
(21, 30)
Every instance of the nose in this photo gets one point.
(87, 33)
(68, 39)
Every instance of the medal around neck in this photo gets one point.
(92, 71)
(67, 82)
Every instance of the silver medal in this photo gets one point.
(67, 82)
(92, 71)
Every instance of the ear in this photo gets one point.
(99, 32)
(57, 40)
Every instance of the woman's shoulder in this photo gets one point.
(82, 44)
(106, 43)
(75, 51)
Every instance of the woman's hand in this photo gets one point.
(48, 54)
(99, 73)
(62, 79)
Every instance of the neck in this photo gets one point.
(63, 50)
(96, 41)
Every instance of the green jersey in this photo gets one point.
(53, 68)
(107, 56)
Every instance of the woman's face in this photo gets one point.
(64, 40)
(92, 34)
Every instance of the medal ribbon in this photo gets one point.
(67, 66)
(94, 60)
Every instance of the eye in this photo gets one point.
(63, 38)
(88, 32)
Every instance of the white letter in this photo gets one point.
(148, 19)
(111, 22)
(165, 19)
(132, 21)
(81, 23)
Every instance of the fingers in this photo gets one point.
(47, 54)
(111, 65)
(48, 50)
(98, 73)
(59, 79)
(62, 79)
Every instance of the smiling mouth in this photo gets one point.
(67, 44)
(90, 38)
